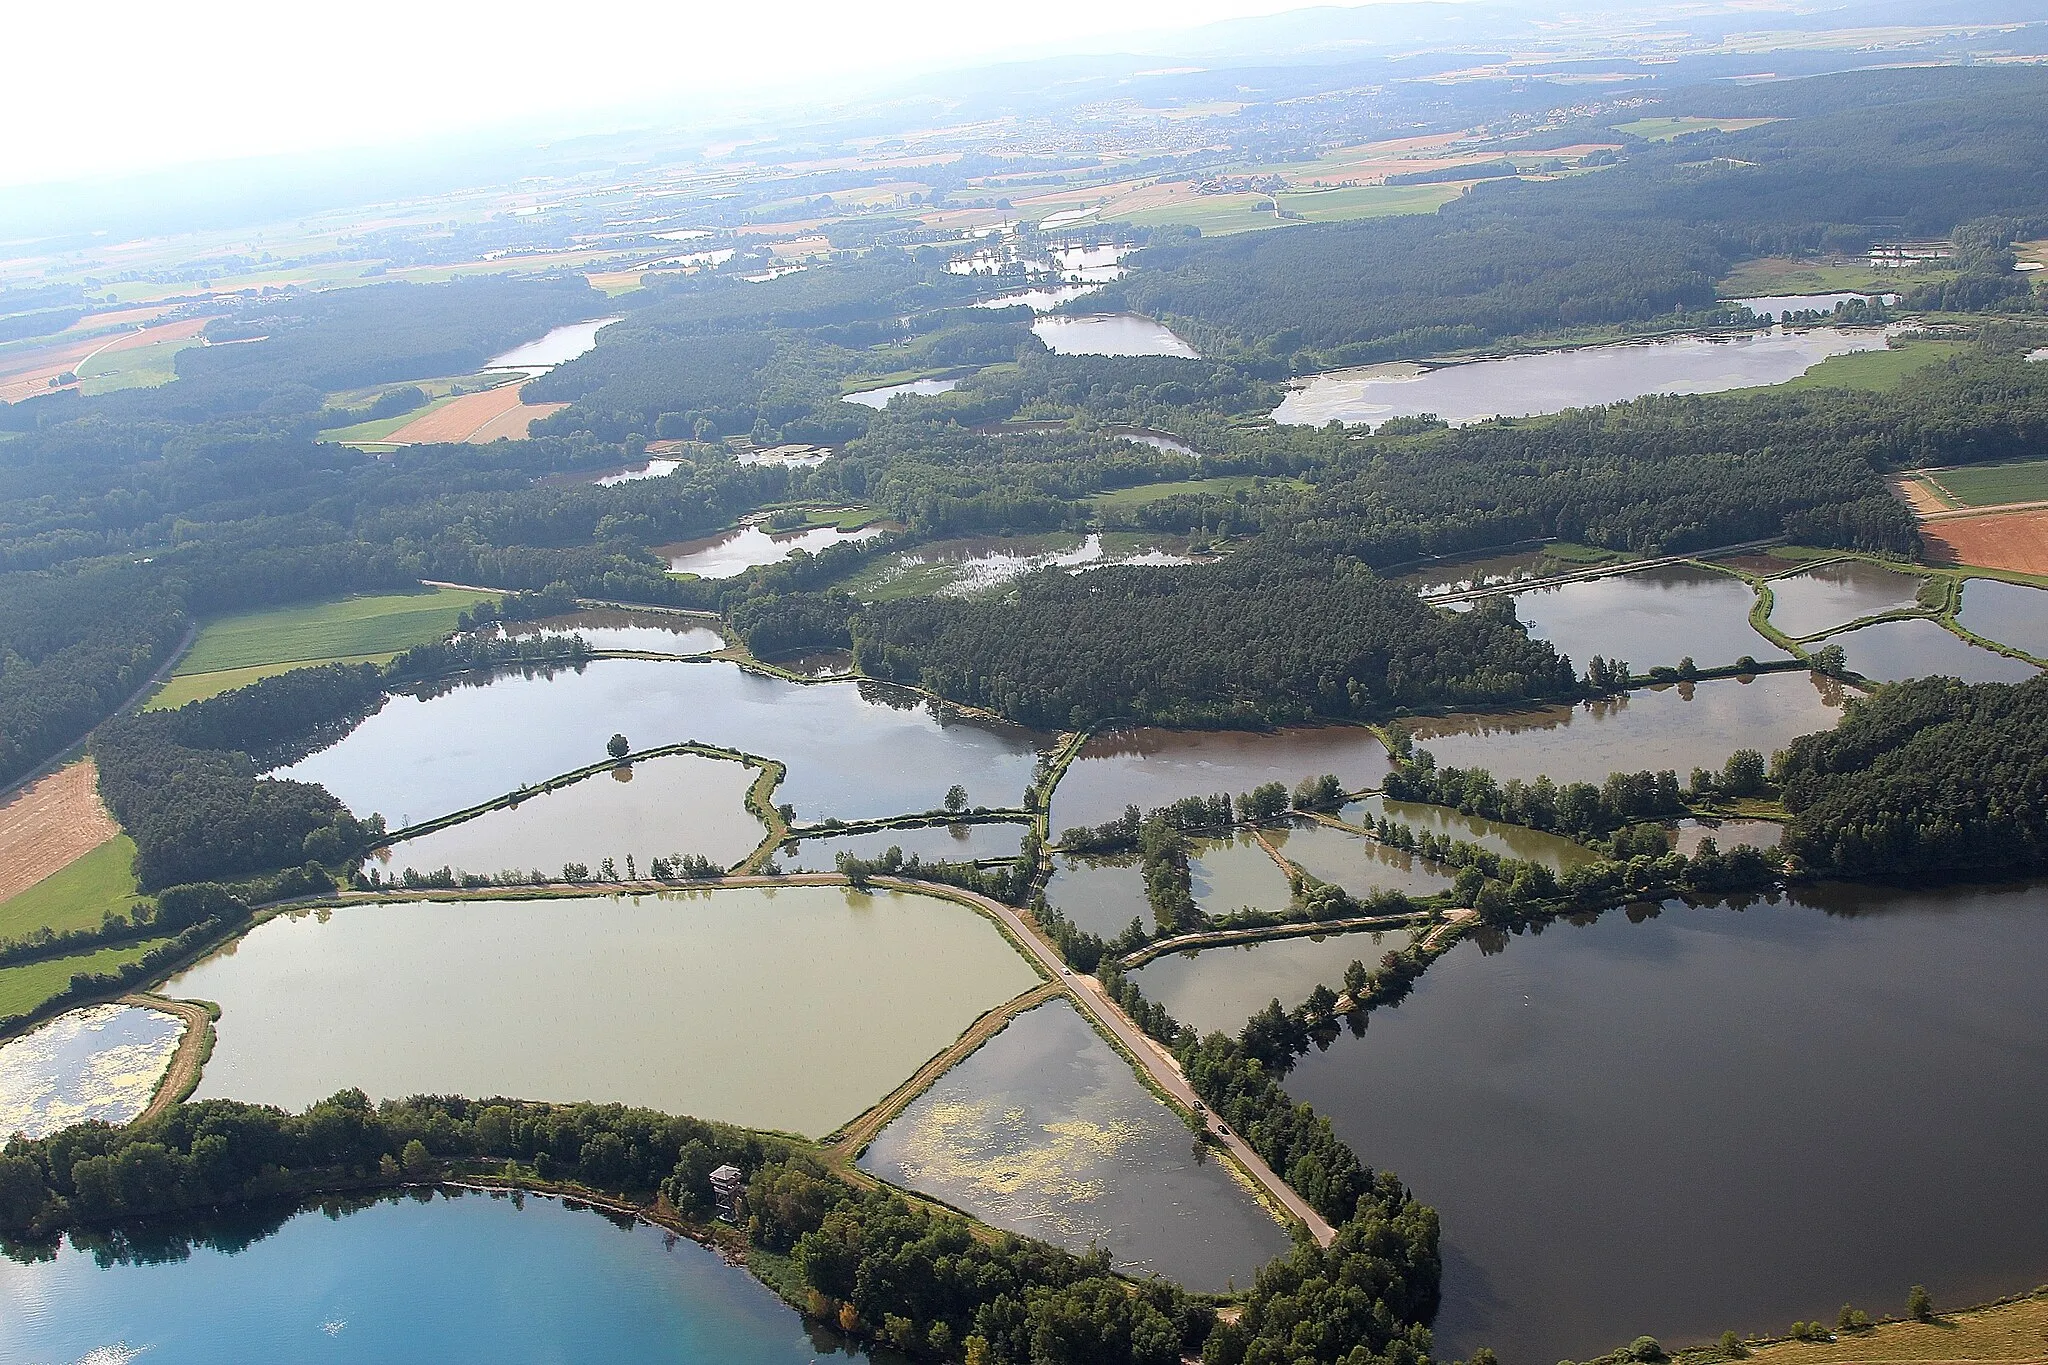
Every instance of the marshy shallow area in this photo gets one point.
(447, 1275)
(1045, 1131)
(102, 1062)
(792, 1007)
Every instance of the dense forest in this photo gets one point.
(1926, 777)
(1641, 243)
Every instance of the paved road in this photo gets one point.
(1087, 992)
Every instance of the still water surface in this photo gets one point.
(1650, 618)
(1829, 595)
(1715, 1118)
(417, 1278)
(101, 1062)
(2010, 613)
(1110, 334)
(731, 553)
(1046, 1132)
(1220, 988)
(1150, 767)
(1234, 872)
(655, 808)
(563, 343)
(920, 388)
(1918, 648)
(1512, 841)
(1551, 381)
(1358, 864)
(932, 843)
(1679, 727)
(855, 750)
(789, 1007)
(1100, 895)
(645, 632)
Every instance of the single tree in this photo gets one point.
(617, 746)
(956, 798)
(1920, 1304)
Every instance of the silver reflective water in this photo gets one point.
(1891, 651)
(690, 1003)
(1110, 334)
(1099, 895)
(1829, 595)
(731, 553)
(561, 344)
(1680, 727)
(1234, 872)
(1654, 617)
(640, 632)
(2010, 613)
(879, 398)
(1151, 767)
(1220, 988)
(1358, 864)
(956, 843)
(1045, 1131)
(1525, 385)
(1513, 841)
(103, 1062)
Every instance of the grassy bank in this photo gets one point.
(28, 986)
(2014, 1331)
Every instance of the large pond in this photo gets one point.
(1100, 895)
(644, 632)
(1656, 616)
(1041, 299)
(792, 1007)
(856, 751)
(2010, 613)
(1234, 872)
(1045, 1131)
(1109, 334)
(731, 553)
(974, 565)
(562, 344)
(1715, 1119)
(931, 843)
(1150, 767)
(521, 1280)
(1919, 648)
(1512, 841)
(1831, 595)
(1358, 864)
(1487, 571)
(1679, 727)
(1777, 305)
(1220, 988)
(917, 388)
(103, 1062)
(656, 808)
(1551, 381)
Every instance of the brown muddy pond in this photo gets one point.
(792, 1007)
(1679, 727)
(1151, 767)
(932, 843)
(1235, 872)
(1099, 895)
(656, 808)
(1221, 988)
(1046, 1132)
(1714, 1118)
(1650, 618)
(1510, 841)
(1919, 648)
(644, 632)
(855, 750)
(1358, 864)
(1832, 595)
(731, 553)
(2010, 613)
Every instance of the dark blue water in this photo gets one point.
(476, 1277)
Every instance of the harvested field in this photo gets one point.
(1920, 495)
(29, 374)
(2013, 1332)
(476, 418)
(54, 821)
(1999, 540)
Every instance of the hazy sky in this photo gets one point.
(127, 84)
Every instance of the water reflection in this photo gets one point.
(1150, 767)
(1234, 872)
(1649, 618)
(731, 553)
(1110, 334)
(1512, 841)
(678, 1002)
(1679, 727)
(1358, 864)
(1919, 648)
(956, 843)
(1099, 895)
(1835, 594)
(561, 344)
(645, 632)
(1551, 381)
(1046, 1132)
(923, 388)
(1608, 1075)
(1220, 988)
(2009, 613)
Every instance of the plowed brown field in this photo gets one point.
(55, 820)
(476, 418)
(30, 373)
(2001, 540)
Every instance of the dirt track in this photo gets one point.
(29, 374)
(183, 1072)
(475, 418)
(49, 824)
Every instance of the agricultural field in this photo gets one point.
(1991, 485)
(26, 987)
(44, 827)
(475, 418)
(2017, 541)
(27, 374)
(1769, 275)
(1140, 494)
(2003, 1332)
(78, 895)
(237, 650)
(1665, 129)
